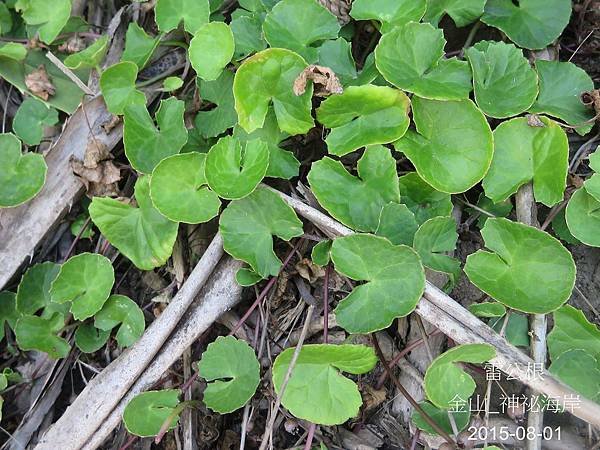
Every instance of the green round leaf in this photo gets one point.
(526, 269)
(320, 253)
(234, 169)
(247, 277)
(572, 331)
(142, 234)
(12, 50)
(391, 13)
(364, 115)
(422, 70)
(397, 223)
(146, 413)
(374, 305)
(583, 217)
(211, 49)
(172, 84)
(505, 84)
(232, 367)
(296, 24)
(524, 153)
(139, 47)
(316, 390)
(179, 189)
(375, 187)
(435, 237)
(453, 146)
(422, 200)
(529, 23)
(440, 416)
(170, 13)
(90, 339)
(121, 310)
(85, 280)
(33, 293)
(220, 92)
(31, 118)
(145, 144)
(247, 226)
(268, 77)
(22, 176)
(446, 383)
(37, 333)
(48, 17)
(8, 311)
(463, 12)
(90, 57)
(561, 86)
(487, 309)
(578, 369)
(117, 84)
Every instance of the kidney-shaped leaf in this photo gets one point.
(117, 84)
(121, 310)
(395, 281)
(232, 367)
(90, 57)
(142, 234)
(561, 86)
(463, 12)
(37, 333)
(85, 280)
(247, 226)
(526, 269)
(211, 49)
(356, 201)
(364, 115)
(267, 77)
(453, 148)
(147, 412)
(583, 217)
(170, 13)
(524, 153)
(49, 17)
(446, 383)
(33, 293)
(234, 168)
(90, 339)
(391, 13)
(397, 223)
(21, 176)
(31, 118)
(529, 23)
(504, 82)
(316, 390)
(572, 331)
(421, 69)
(145, 144)
(139, 46)
(179, 189)
(295, 24)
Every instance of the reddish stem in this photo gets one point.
(265, 290)
(130, 441)
(309, 438)
(326, 305)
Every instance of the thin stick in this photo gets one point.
(286, 379)
(309, 438)
(408, 397)
(69, 73)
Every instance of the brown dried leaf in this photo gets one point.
(72, 45)
(110, 124)
(372, 397)
(592, 100)
(324, 79)
(97, 172)
(533, 120)
(39, 83)
(309, 271)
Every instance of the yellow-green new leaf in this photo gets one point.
(170, 13)
(391, 13)
(90, 57)
(117, 84)
(364, 115)
(48, 16)
(211, 49)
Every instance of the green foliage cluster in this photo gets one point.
(408, 101)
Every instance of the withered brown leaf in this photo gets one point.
(39, 83)
(324, 79)
(97, 172)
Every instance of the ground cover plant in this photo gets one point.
(350, 155)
